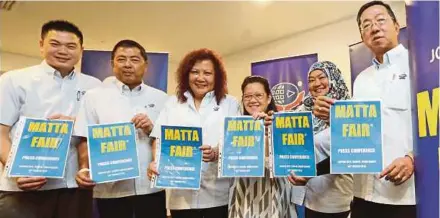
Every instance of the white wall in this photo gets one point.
(330, 42)
(11, 61)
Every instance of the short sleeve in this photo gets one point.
(161, 119)
(9, 101)
(322, 145)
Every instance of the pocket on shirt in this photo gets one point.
(397, 97)
(153, 114)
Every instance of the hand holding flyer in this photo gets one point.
(40, 148)
(113, 153)
(293, 144)
(356, 137)
(243, 148)
(179, 158)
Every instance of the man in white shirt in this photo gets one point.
(50, 90)
(392, 193)
(124, 98)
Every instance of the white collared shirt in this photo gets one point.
(38, 92)
(210, 116)
(389, 82)
(114, 102)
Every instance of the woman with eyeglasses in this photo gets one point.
(259, 197)
(325, 196)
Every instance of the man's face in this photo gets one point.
(378, 30)
(129, 66)
(61, 50)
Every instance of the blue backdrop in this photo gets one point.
(97, 64)
(423, 28)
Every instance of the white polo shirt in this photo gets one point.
(210, 116)
(114, 102)
(389, 82)
(40, 91)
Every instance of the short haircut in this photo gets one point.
(62, 26)
(373, 3)
(128, 43)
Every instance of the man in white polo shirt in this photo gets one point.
(123, 99)
(51, 90)
(392, 193)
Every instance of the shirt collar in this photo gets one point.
(53, 72)
(208, 96)
(124, 88)
(390, 57)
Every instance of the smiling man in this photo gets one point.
(392, 193)
(53, 90)
(124, 98)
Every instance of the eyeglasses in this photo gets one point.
(367, 25)
(258, 96)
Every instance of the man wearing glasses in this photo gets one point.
(392, 193)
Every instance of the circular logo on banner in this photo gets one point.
(287, 95)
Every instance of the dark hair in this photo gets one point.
(127, 43)
(186, 65)
(373, 3)
(63, 26)
(263, 81)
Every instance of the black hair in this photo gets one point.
(373, 3)
(63, 26)
(263, 81)
(127, 43)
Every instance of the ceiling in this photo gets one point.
(175, 27)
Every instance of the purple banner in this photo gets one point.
(287, 78)
(424, 50)
(97, 64)
(361, 57)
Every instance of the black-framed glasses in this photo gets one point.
(367, 25)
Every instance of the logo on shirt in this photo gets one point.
(149, 106)
(80, 94)
(287, 95)
(402, 76)
(216, 108)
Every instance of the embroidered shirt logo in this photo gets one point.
(402, 76)
(80, 94)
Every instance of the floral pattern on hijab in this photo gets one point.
(337, 90)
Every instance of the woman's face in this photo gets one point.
(201, 78)
(255, 99)
(318, 83)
